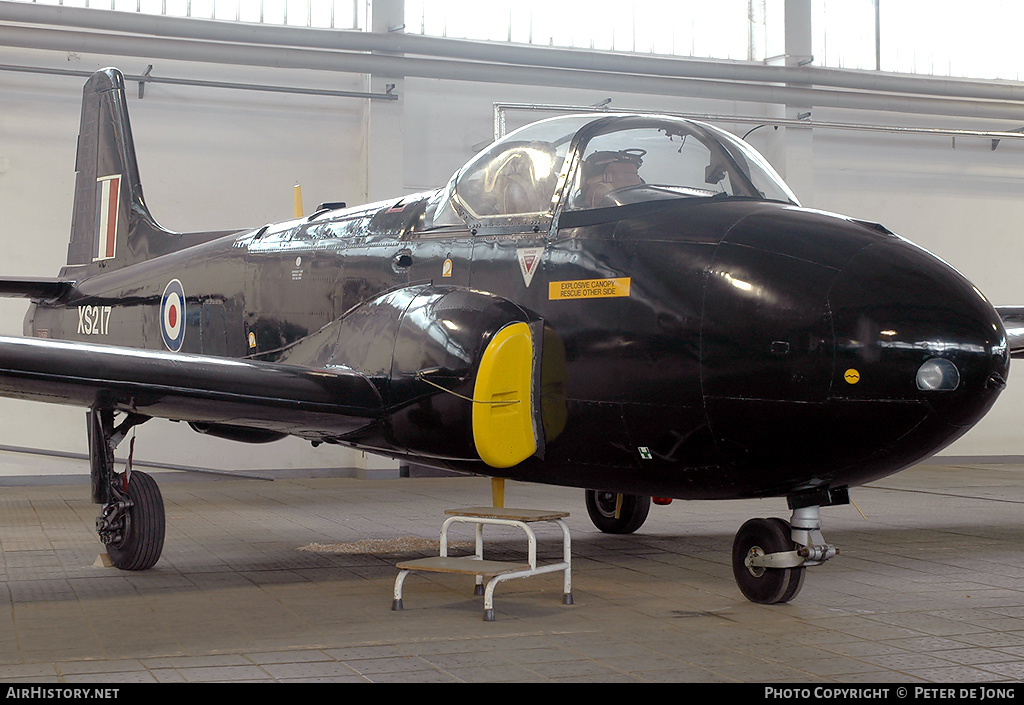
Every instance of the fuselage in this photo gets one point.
(693, 348)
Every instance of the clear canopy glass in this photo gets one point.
(587, 161)
(641, 159)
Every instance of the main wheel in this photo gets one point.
(601, 506)
(142, 536)
(766, 586)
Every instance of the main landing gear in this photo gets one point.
(131, 523)
(615, 513)
(769, 556)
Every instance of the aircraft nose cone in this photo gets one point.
(911, 330)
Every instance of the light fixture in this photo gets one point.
(937, 375)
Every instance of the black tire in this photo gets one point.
(796, 577)
(632, 514)
(143, 536)
(766, 586)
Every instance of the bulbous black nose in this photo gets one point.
(909, 328)
(833, 349)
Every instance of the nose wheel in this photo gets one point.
(758, 582)
(769, 556)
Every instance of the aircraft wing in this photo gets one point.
(318, 404)
(1013, 322)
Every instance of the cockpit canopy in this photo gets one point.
(582, 161)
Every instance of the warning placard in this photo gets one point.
(589, 288)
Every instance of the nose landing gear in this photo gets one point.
(769, 556)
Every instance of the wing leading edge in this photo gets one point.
(1013, 322)
(317, 404)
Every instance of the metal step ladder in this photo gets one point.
(494, 571)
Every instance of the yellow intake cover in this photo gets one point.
(503, 423)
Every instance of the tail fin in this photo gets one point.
(111, 226)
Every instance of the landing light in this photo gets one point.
(937, 374)
(739, 283)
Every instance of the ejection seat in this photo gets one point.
(605, 172)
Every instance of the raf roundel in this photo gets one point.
(172, 315)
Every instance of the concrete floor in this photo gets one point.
(928, 588)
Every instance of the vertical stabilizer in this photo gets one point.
(111, 225)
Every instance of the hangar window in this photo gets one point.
(918, 36)
(321, 14)
(723, 29)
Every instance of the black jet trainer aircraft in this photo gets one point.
(633, 305)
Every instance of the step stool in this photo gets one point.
(495, 571)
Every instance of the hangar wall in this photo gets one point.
(209, 159)
(959, 199)
(219, 158)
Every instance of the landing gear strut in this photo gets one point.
(131, 523)
(769, 556)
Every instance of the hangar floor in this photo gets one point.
(929, 587)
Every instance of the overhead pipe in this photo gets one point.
(393, 65)
(147, 77)
(500, 110)
(501, 53)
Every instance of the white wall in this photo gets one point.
(213, 158)
(209, 159)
